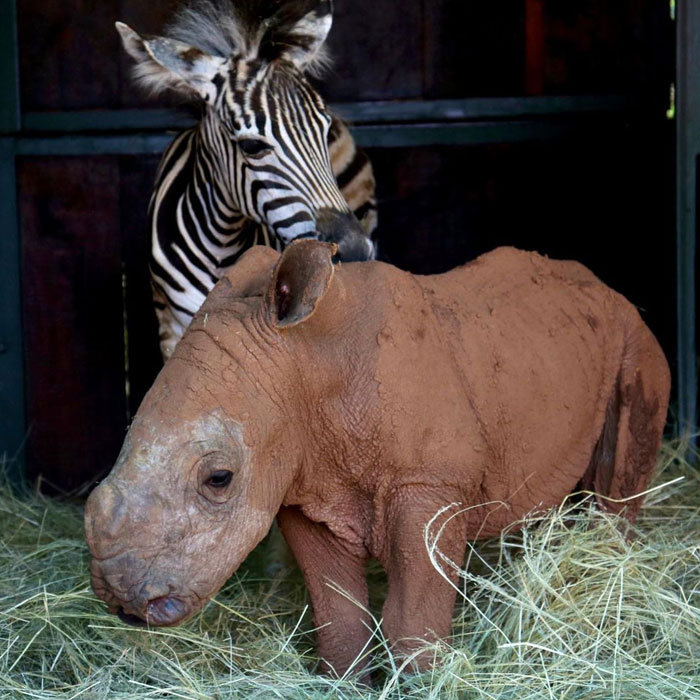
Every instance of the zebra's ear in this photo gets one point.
(163, 64)
(303, 39)
(300, 280)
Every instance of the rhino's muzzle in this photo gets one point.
(158, 600)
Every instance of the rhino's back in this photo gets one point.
(507, 363)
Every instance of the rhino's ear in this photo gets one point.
(163, 64)
(300, 280)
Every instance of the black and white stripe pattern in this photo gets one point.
(264, 164)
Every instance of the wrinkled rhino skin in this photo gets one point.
(354, 403)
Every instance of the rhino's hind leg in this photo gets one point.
(624, 458)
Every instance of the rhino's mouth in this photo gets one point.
(165, 611)
(133, 620)
(154, 602)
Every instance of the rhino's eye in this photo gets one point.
(220, 479)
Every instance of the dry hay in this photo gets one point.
(569, 608)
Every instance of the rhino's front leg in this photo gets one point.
(420, 602)
(330, 565)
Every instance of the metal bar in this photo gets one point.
(481, 108)
(359, 113)
(9, 68)
(81, 145)
(376, 136)
(107, 120)
(688, 152)
(468, 133)
(12, 408)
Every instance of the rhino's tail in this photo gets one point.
(624, 457)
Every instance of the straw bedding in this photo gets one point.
(567, 608)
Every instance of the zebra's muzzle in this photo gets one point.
(343, 229)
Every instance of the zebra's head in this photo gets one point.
(264, 132)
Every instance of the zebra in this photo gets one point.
(266, 164)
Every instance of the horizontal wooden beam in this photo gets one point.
(368, 136)
(93, 144)
(358, 113)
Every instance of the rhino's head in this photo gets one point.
(215, 445)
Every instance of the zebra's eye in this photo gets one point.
(253, 147)
(220, 479)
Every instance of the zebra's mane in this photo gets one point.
(256, 28)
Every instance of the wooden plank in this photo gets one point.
(72, 295)
(599, 46)
(103, 144)
(71, 55)
(534, 47)
(377, 51)
(387, 135)
(66, 54)
(358, 113)
(472, 49)
(137, 175)
(476, 132)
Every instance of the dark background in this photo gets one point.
(600, 190)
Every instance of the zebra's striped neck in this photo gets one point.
(196, 230)
(208, 215)
(214, 212)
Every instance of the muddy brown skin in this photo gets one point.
(354, 403)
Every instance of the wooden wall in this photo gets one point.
(70, 56)
(91, 342)
(606, 199)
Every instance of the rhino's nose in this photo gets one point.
(105, 512)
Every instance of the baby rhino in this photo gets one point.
(355, 402)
